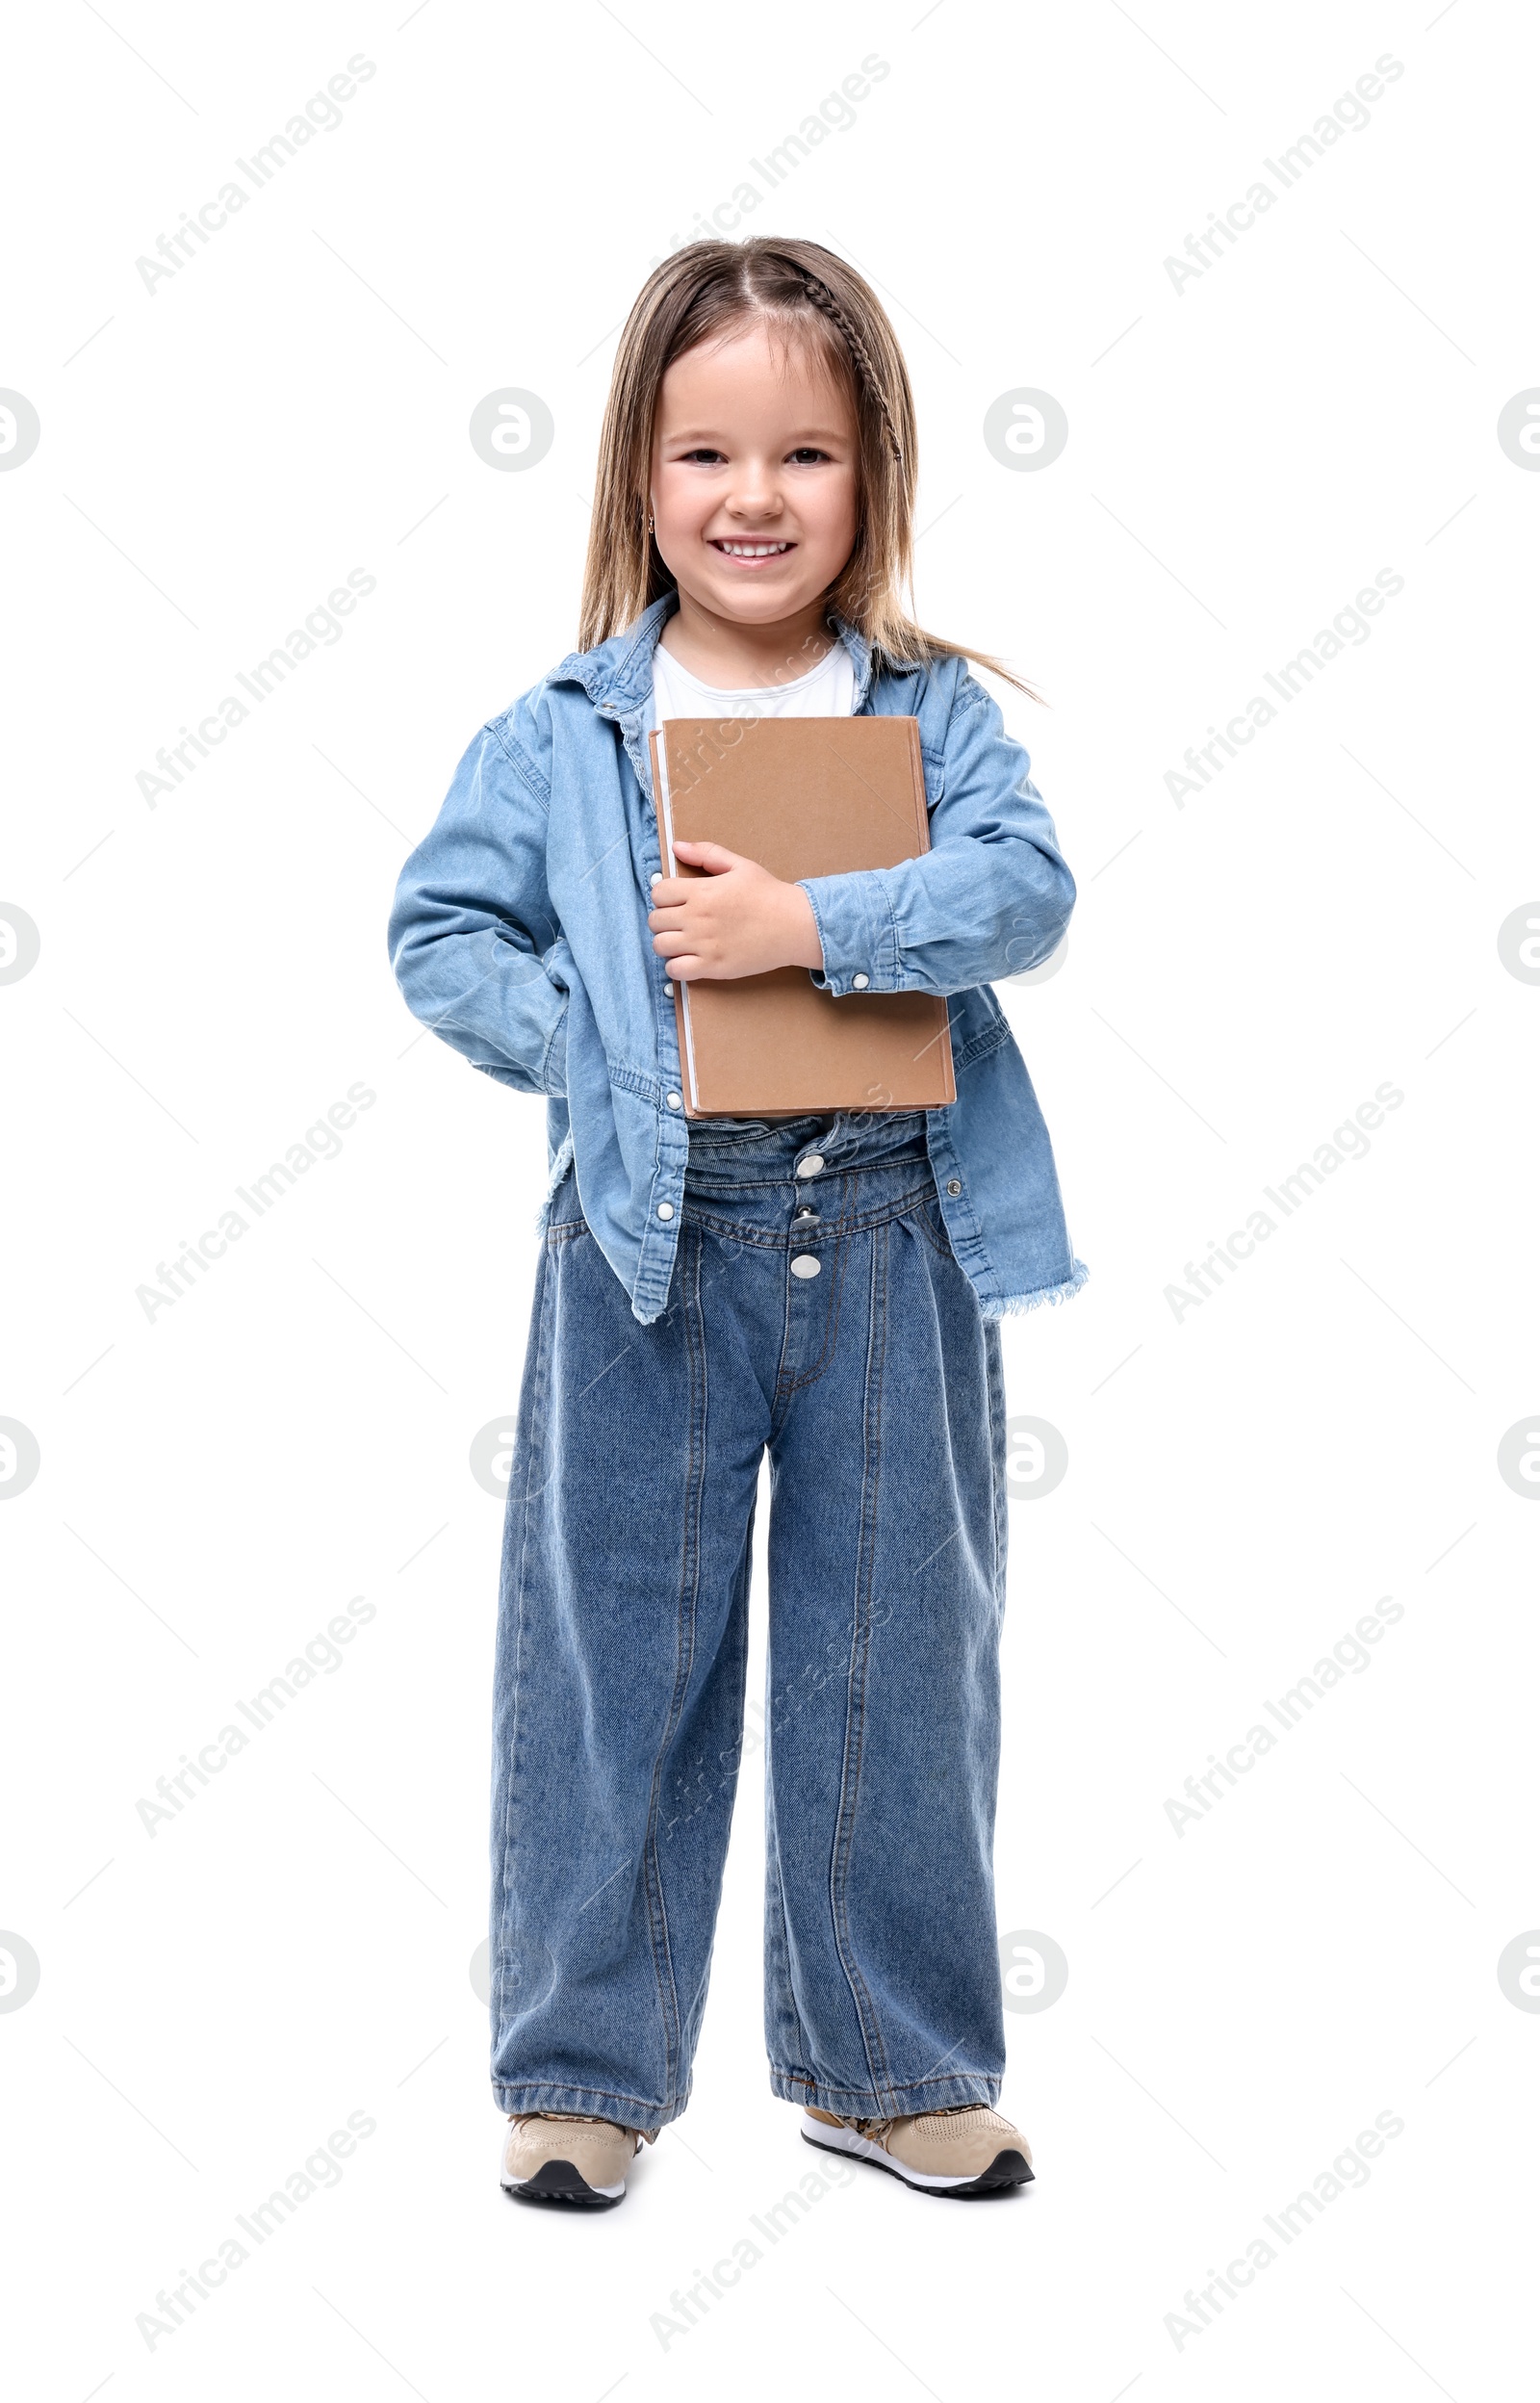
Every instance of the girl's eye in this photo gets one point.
(807, 456)
(701, 459)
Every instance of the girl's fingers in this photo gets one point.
(714, 856)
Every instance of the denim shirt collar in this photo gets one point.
(617, 675)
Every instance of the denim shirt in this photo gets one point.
(519, 932)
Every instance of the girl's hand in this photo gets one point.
(736, 920)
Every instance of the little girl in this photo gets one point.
(828, 1287)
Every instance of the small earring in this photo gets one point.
(649, 527)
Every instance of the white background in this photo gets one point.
(1244, 456)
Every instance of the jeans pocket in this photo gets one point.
(933, 1226)
(564, 1215)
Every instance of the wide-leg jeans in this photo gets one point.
(817, 1313)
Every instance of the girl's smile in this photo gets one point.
(750, 553)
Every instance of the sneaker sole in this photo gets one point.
(1008, 2170)
(559, 2181)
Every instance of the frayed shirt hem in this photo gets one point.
(1014, 1304)
(558, 1169)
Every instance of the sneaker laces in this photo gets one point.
(874, 2129)
(585, 2119)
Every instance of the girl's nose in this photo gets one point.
(755, 496)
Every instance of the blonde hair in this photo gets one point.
(698, 295)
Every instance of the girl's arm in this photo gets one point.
(473, 941)
(991, 897)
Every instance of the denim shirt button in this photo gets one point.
(954, 1184)
(860, 983)
(673, 1100)
(665, 1210)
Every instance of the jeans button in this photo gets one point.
(805, 1265)
(810, 1165)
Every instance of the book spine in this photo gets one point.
(657, 743)
(665, 816)
(922, 824)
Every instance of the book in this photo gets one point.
(804, 796)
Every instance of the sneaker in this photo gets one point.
(965, 2151)
(562, 2157)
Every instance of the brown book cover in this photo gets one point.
(805, 796)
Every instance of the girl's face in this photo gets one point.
(754, 477)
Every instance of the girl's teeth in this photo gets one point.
(753, 549)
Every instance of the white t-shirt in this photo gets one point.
(827, 690)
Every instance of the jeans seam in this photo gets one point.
(836, 1238)
(568, 2085)
(544, 1314)
(830, 1341)
(684, 1642)
(781, 1888)
(851, 1220)
(995, 1373)
(760, 1133)
(861, 1657)
(835, 2092)
(942, 1250)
